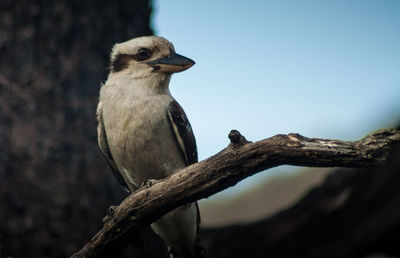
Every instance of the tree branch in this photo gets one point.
(236, 162)
(353, 213)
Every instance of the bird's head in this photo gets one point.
(148, 56)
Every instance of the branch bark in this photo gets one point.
(353, 213)
(236, 162)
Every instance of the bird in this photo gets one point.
(145, 134)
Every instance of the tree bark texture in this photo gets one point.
(236, 162)
(54, 184)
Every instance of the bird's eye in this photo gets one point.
(142, 54)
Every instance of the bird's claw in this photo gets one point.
(110, 213)
(149, 183)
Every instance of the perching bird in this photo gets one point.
(144, 133)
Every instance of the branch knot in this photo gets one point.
(237, 139)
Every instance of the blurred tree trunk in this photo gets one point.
(55, 186)
(354, 213)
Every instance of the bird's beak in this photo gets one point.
(172, 64)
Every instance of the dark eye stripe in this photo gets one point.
(120, 62)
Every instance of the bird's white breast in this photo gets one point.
(139, 134)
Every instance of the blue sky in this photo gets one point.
(326, 69)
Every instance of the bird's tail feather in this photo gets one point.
(199, 251)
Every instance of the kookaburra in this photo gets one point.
(144, 133)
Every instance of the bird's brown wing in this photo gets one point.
(103, 144)
(183, 132)
(185, 138)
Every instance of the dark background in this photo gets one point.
(55, 186)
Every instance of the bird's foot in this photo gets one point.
(150, 182)
(110, 213)
(172, 253)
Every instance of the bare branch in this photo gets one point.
(236, 162)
